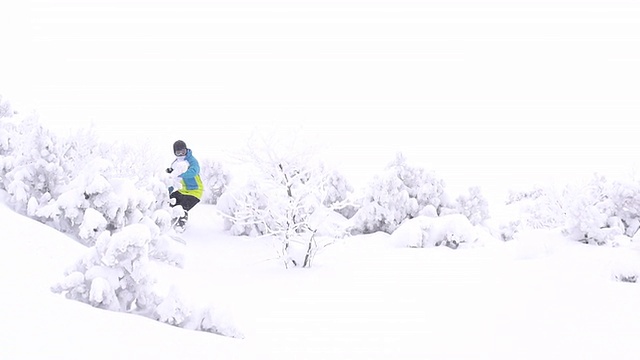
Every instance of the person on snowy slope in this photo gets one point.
(191, 191)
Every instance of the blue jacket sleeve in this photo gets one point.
(193, 170)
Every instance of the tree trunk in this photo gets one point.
(308, 256)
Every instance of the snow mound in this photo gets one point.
(448, 230)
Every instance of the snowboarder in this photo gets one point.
(191, 191)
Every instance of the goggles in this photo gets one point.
(181, 152)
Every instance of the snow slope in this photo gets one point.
(538, 297)
(38, 324)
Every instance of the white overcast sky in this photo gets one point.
(479, 91)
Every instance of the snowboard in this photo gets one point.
(178, 226)
(177, 229)
(177, 238)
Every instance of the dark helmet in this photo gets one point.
(180, 148)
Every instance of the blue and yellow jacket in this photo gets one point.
(190, 179)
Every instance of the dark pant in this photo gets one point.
(186, 201)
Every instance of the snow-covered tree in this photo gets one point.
(5, 108)
(174, 310)
(289, 185)
(243, 210)
(118, 200)
(626, 196)
(337, 195)
(75, 184)
(594, 210)
(215, 177)
(540, 207)
(385, 206)
(545, 212)
(98, 195)
(472, 205)
(401, 192)
(32, 167)
(116, 274)
(597, 211)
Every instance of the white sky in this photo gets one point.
(478, 91)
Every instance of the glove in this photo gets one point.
(169, 170)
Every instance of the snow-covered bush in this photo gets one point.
(386, 204)
(104, 196)
(599, 211)
(289, 184)
(328, 222)
(625, 265)
(5, 108)
(472, 205)
(626, 197)
(515, 196)
(6, 130)
(58, 180)
(115, 274)
(77, 184)
(539, 208)
(400, 193)
(291, 189)
(32, 166)
(174, 310)
(241, 209)
(337, 192)
(116, 201)
(448, 230)
(215, 178)
(507, 230)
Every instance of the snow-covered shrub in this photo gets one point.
(292, 191)
(98, 194)
(119, 202)
(5, 108)
(625, 265)
(6, 130)
(447, 230)
(507, 230)
(289, 185)
(31, 165)
(539, 208)
(72, 185)
(84, 144)
(472, 205)
(215, 178)
(115, 274)
(209, 319)
(242, 208)
(7, 134)
(5, 137)
(386, 204)
(592, 212)
(174, 310)
(626, 197)
(400, 193)
(56, 180)
(532, 194)
(337, 191)
(328, 222)
(598, 211)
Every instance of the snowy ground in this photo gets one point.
(539, 297)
